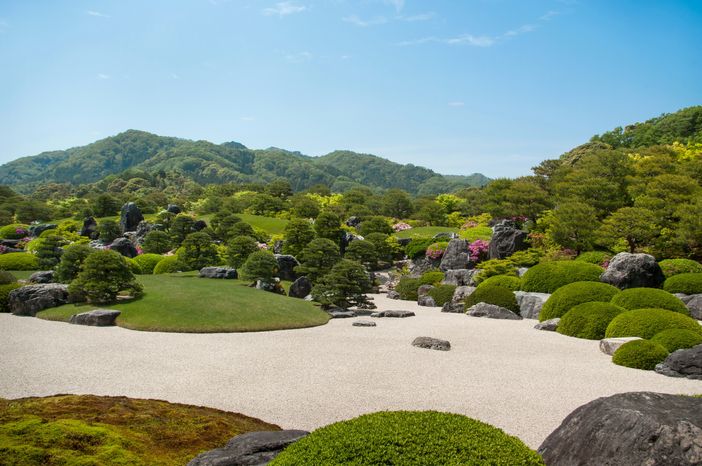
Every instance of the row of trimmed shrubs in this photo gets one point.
(143, 264)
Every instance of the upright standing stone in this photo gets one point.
(456, 256)
(130, 216)
(506, 240)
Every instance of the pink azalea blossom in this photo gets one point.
(401, 226)
(478, 250)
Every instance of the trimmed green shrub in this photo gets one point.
(573, 294)
(442, 294)
(505, 281)
(168, 264)
(71, 262)
(104, 274)
(494, 267)
(364, 252)
(588, 320)
(408, 438)
(418, 247)
(318, 258)
(345, 285)
(18, 261)
(156, 242)
(407, 288)
(497, 295)
(239, 249)
(433, 277)
(6, 278)
(528, 258)
(5, 293)
(594, 257)
(649, 298)
(646, 323)
(547, 277)
(147, 262)
(674, 339)
(672, 267)
(14, 231)
(686, 283)
(134, 267)
(640, 354)
(261, 265)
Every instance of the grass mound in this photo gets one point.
(686, 283)
(186, 303)
(647, 298)
(547, 277)
(18, 261)
(646, 323)
(147, 262)
(640, 354)
(588, 320)
(505, 281)
(674, 339)
(672, 267)
(573, 294)
(97, 430)
(408, 438)
(168, 264)
(497, 295)
(409, 286)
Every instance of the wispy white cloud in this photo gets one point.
(103, 76)
(456, 103)
(96, 14)
(418, 17)
(300, 57)
(357, 21)
(398, 4)
(520, 30)
(549, 15)
(470, 39)
(284, 9)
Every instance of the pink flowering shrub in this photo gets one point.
(401, 226)
(436, 251)
(262, 246)
(2, 249)
(21, 231)
(478, 250)
(139, 250)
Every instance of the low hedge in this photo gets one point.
(686, 283)
(594, 257)
(5, 293)
(408, 286)
(547, 277)
(497, 295)
(674, 339)
(18, 261)
(442, 294)
(168, 264)
(649, 298)
(147, 262)
(646, 323)
(11, 231)
(588, 320)
(418, 247)
(408, 438)
(640, 354)
(505, 281)
(573, 294)
(671, 267)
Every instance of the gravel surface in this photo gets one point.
(501, 372)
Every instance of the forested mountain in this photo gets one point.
(208, 163)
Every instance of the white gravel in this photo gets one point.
(501, 372)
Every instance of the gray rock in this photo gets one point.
(353, 221)
(219, 272)
(454, 308)
(346, 239)
(424, 290)
(550, 325)
(683, 363)
(38, 229)
(422, 265)
(610, 345)
(250, 449)
(89, 228)
(521, 271)
(96, 318)
(445, 236)
(129, 218)
(426, 301)
(432, 343)
(174, 209)
(456, 256)
(46, 276)
(286, 267)
(694, 304)
(300, 288)
(530, 304)
(492, 311)
(459, 277)
(627, 270)
(393, 295)
(30, 299)
(271, 287)
(143, 229)
(124, 247)
(364, 323)
(278, 246)
(506, 240)
(629, 429)
(339, 313)
(456, 304)
(395, 314)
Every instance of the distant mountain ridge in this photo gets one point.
(206, 162)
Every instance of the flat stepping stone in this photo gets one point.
(364, 323)
(342, 314)
(610, 345)
(397, 314)
(432, 343)
(492, 311)
(550, 325)
(96, 318)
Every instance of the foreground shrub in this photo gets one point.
(647, 298)
(14, 231)
(6, 278)
(646, 323)
(686, 283)
(573, 294)
(345, 285)
(505, 281)
(432, 277)
(147, 262)
(672, 267)
(496, 295)
(640, 354)
(134, 266)
(261, 265)
(168, 264)
(408, 438)
(547, 277)
(18, 261)
(407, 288)
(594, 257)
(198, 251)
(588, 320)
(674, 339)
(5, 293)
(156, 242)
(528, 258)
(442, 294)
(417, 247)
(104, 275)
(239, 249)
(71, 261)
(494, 267)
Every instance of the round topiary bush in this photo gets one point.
(5, 294)
(640, 354)
(573, 294)
(407, 288)
(672, 267)
(168, 264)
(497, 295)
(442, 294)
(649, 298)
(588, 320)
(686, 283)
(674, 339)
(547, 277)
(18, 261)
(14, 231)
(147, 262)
(408, 438)
(505, 281)
(103, 276)
(134, 266)
(594, 257)
(645, 323)
(433, 277)
(71, 261)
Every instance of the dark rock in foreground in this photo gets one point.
(29, 300)
(46, 276)
(398, 314)
(124, 247)
(253, 448)
(393, 295)
(300, 288)
(130, 216)
(629, 429)
(627, 270)
(226, 273)
(683, 363)
(432, 343)
(492, 311)
(96, 318)
(426, 301)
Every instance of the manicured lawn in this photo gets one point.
(183, 302)
(472, 234)
(22, 274)
(424, 232)
(88, 429)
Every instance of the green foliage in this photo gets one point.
(497, 295)
(640, 298)
(328, 226)
(376, 224)
(495, 267)
(640, 354)
(71, 262)
(169, 264)
(18, 261)
(239, 249)
(156, 242)
(572, 225)
(646, 323)
(298, 234)
(363, 252)
(506, 281)
(318, 258)
(442, 294)
(418, 247)
(147, 262)
(181, 227)
(49, 251)
(547, 277)
(408, 286)
(427, 438)
(672, 267)
(686, 283)
(260, 265)
(5, 290)
(636, 226)
(528, 258)
(104, 274)
(109, 230)
(198, 251)
(674, 339)
(7, 278)
(594, 257)
(14, 231)
(386, 246)
(431, 277)
(134, 266)
(588, 320)
(242, 229)
(344, 286)
(222, 223)
(573, 294)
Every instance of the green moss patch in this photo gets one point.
(547, 277)
(589, 320)
(646, 323)
(640, 354)
(647, 298)
(674, 339)
(18, 261)
(672, 267)
(573, 294)
(686, 283)
(505, 281)
(497, 295)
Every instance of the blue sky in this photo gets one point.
(460, 86)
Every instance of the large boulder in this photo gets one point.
(124, 247)
(432, 343)
(143, 229)
(129, 217)
(491, 311)
(45, 276)
(426, 301)
(422, 265)
(300, 288)
(253, 448)
(459, 277)
(227, 273)
(456, 255)
(96, 318)
(30, 299)
(506, 240)
(683, 363)
(286, 267)
(38, 229)
(530, 304)
(173, 209)
(89, 228)
(629, 429)
(694, 304)
(627, 270)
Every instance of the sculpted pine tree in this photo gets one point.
(104, 274)
(344, 286)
